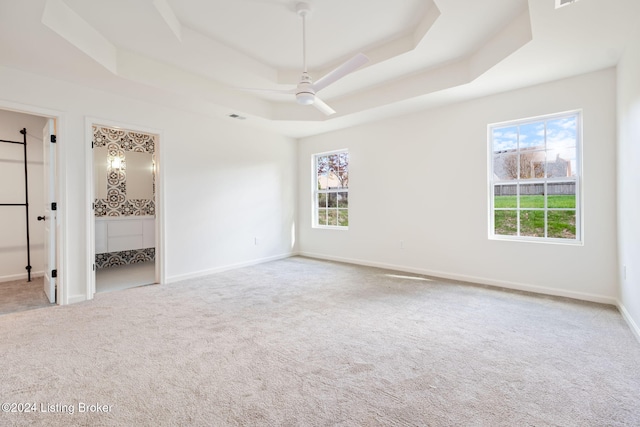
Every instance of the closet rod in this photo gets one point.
(23, 131)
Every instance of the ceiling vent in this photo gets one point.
(560, 3)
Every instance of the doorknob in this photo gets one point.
(41, 218)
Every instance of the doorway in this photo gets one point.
(124, 207)
(28, 226)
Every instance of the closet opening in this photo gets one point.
(28, 224)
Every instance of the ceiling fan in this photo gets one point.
(306, 89)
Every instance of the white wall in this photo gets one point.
(629, 180)
(13, 240)
(422, 179)
(224, 183)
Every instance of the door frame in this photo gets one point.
(61, 248)
(50, 214)
(90, 198)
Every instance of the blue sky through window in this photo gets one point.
(558, 138)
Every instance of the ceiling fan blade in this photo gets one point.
(346, 68)
(322, 106)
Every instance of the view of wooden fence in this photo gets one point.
(553, 188)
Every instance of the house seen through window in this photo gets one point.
(534, 178)
(331, 189)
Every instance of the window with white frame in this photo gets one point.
(534, 178)
(331, 189)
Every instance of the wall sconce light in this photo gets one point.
(115, 163)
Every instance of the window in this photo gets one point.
(331, 186)
(534, 179)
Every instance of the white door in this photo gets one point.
(49, 156)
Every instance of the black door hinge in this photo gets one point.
(54, 206)
(54, 139)
(54, 274)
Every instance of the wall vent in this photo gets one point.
(561, 3)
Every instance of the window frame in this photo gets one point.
(518, 182)
(316, 191)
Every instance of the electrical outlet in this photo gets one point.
(255, 241)
(624, 272)
(401, 244)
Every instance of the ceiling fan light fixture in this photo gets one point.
(305, 98)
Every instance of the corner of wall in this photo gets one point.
(628, 206)
(627, 317)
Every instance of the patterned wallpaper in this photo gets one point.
(117, 142)
(113, 259)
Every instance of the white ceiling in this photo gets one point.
(195, 54)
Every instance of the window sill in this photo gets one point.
(330, 227)
(547, 241)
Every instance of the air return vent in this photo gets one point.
(560, 3)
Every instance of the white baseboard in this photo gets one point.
(21, 276)
(473, 279)
(201, 273)
(627, 317)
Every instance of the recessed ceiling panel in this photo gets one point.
(271, 31)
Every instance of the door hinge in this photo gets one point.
(94, 267)
(54, 139)
(54, 274)
(54, 206)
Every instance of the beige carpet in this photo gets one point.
(302, 342)
(19, 295)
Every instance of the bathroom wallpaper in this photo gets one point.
(118, 142)
(113, 259)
